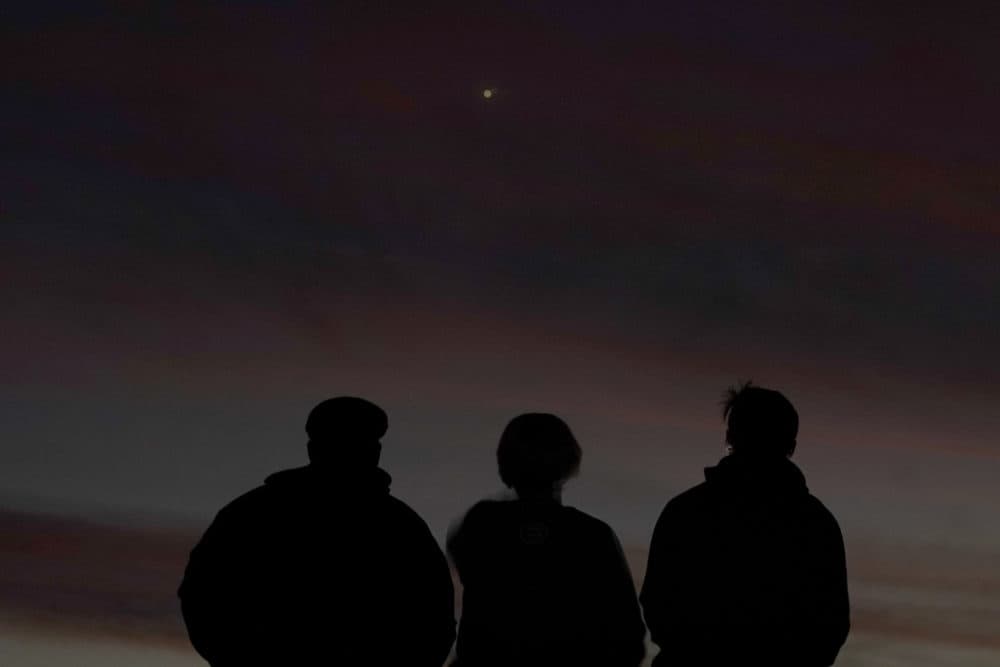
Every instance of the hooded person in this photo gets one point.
(748, 567)
(320, 564)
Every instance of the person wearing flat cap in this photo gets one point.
(320, 564)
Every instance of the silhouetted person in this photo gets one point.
(545, 584)
(320, 565)
(748, 568)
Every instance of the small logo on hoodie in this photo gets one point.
(534, 533)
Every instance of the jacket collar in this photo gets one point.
(770, 475)
(334, 480)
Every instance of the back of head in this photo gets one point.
(345, 432)
(760, 423)
(537, 453)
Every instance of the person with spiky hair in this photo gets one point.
(321, 565)
(544, 583)
(748, 567)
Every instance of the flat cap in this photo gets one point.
(347, 418)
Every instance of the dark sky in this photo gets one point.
(216, 214)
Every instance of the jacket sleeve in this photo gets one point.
(624, 633)
(457, 542)
(668, 601)
(830, 615)
(426, 606)
(209, 595)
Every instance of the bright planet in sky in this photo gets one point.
(488, 93)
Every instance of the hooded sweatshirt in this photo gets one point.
(747, 568)
(544, 584)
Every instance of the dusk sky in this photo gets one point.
(216, 214)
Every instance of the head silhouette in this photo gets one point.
(345, 432)
(759, 422)
(537, 454)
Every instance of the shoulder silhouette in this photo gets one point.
(748, 567)
(544, 584)
(321, 565)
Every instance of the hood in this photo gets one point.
(757, 477)
(332, 480)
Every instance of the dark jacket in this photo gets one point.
(747, 568)
(543, 584)
(319, 568)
